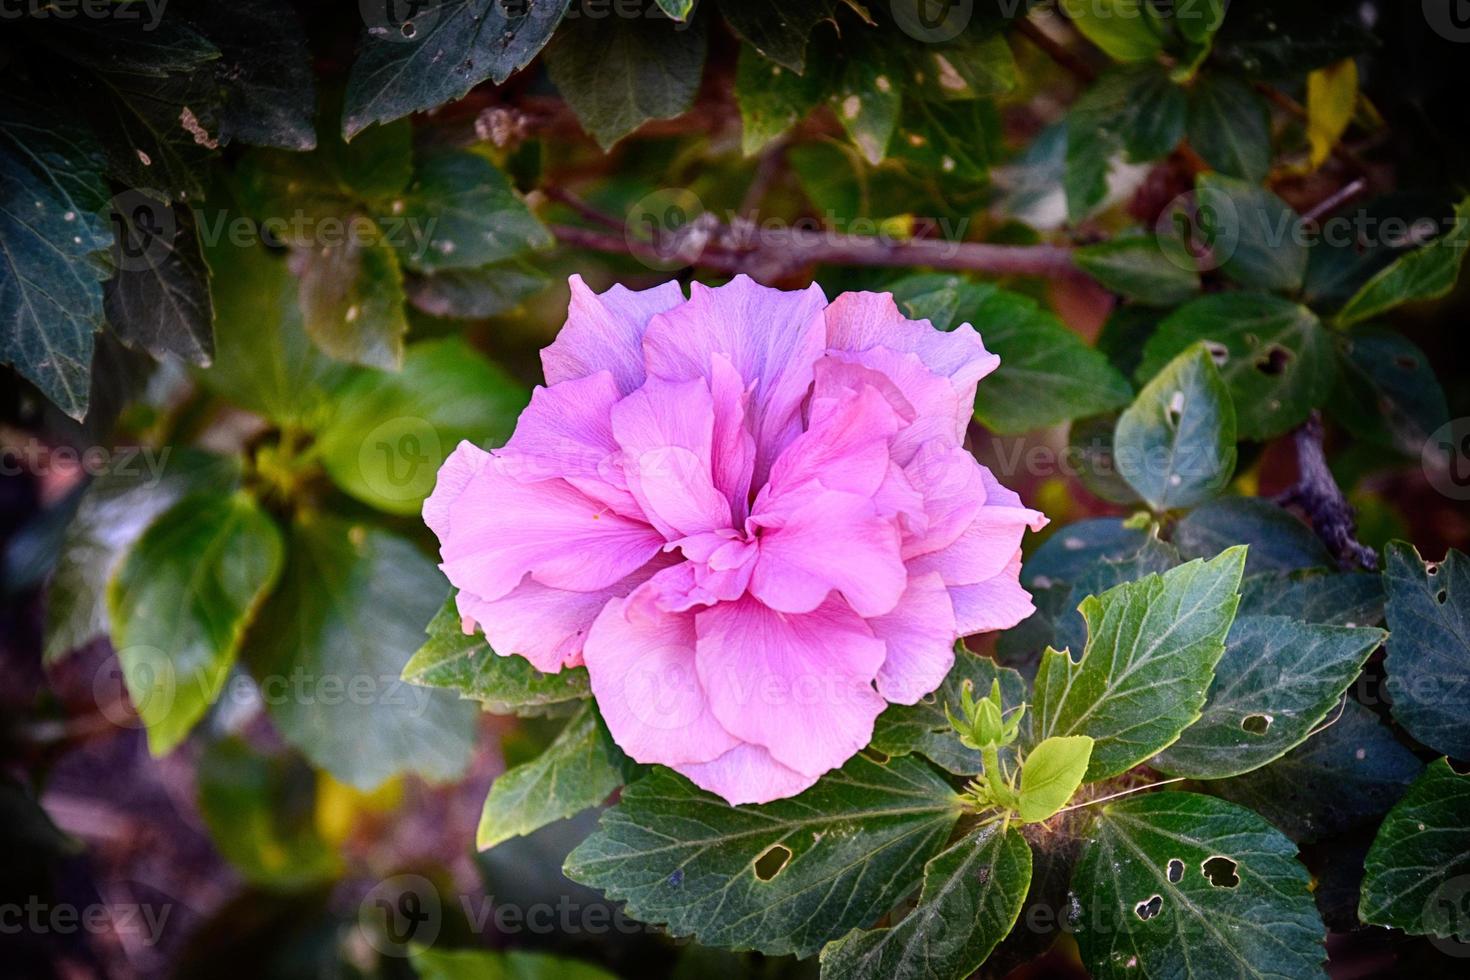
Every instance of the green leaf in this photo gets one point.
(1275, 356)
(1175, 444)
(1278, 680)
(972, 65)
(657, 66)
(114, 513)
(505, 683)
(1335, 599)
(924, 728)
(443, 50)
(1069, 553)
(1051, 774)
(1177, 882)
(582, 768)
(677, 9)
(1429, 654)
(487, 291)
(853, 846)
(1132, 109)
(1426, 273)
(433, 963)
(773, 98)
(1128, 30)
(1346, 775)
(463, 213)
(1259, 241)
(260, 811)
(1090, 441)
(1278, 541)
(159, 299)
(1151, 651)
(53, 232)
(180, 602)
(948, 141)
(352, 298)
(1139, 268)
(1198, 20)
(388, 433)
(1387, 392)
(972, 894)
(778, 29)
(866, 101)
(1047, 373)
(328, 646)
(1230, 127)
(1419, 865)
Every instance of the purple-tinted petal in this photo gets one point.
(747, 774)
(666, 430)
(845, 446)
(799, 685)
(605, 333)
(925, 402)
(920, 634)
(996, 604)
(986, 546)
(954, 489)
(861, 321)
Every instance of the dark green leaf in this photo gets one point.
(1335, 599)
(1151, 651)
(617, 73)
(856, 842)
(1428, 272)
(180, 602)
(866, 101)
(1135, 110)
(1139, 268)
(115, 511)
(1278, 680)
(1418, 869)
(444, 49)
(159, 299)
(948, 141)
(388, 433)
(972, 893)
(1278, 541)
(1349, 773)
(328, 646)
(1260, 243)
(1387, 392)
(1072, 550)
(461, 213)
(489, 290)
(579, 770)
(504, 683)
(1275, 356)
(1429, 654)
(773, 98)
(1230, 127)
(352, 298)
(1175, 444)
(1176, 883)
(1091, 443)
(778, 29)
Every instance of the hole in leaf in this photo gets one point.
(879, 757)
(408, 29)
(1405, 363)
(1432, 568)
(1458, 768)
(1442, 595)
(1220, 871)
(1148, 909)
(1274, 362)
(1176, 407)
(1219, 353)
(1256, 724)
(1175, 870)
(772, 861)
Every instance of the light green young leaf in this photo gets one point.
(1151, 651)
(973, 891)
(1175, 444)
(1128, 30)
(1051, 774)
(1177, 881)
(180, 604)
(785, 877)
(1417, 872)
(1425, 273)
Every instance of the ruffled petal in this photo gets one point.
(666, 431)
(801, 686)
(995, 604)
(494, 529)
(985, 547)
(925, 402)
(845, 446)
(641, 662)
(604, 332)
(954, 490)
(770, 336)
(747, 774)
(920, 634)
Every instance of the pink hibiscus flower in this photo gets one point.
(749, 513)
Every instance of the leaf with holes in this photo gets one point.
(580, 769)
(1278, 680)
(1426, 273)
(180, 603)
(1274, 355)
(1418, 870)
(1428, 661)
(1175, 444)
(1151, 651)
(1188, 885)
(1387, 392)
(505, 683)
(972, 893)
(785, 877)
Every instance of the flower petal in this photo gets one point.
(986, 546)
(845, 446)
(493, 529)
(920, 634)
(996, 604)
(862, 321)
(799, 685)
(925, 402)
(770, 336)
(747, 774)
(666, 430)
(604, 332)
(642, 665)
(954, 489)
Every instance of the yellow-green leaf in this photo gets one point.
(1051, 774)
(1332, 94)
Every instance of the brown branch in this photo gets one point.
(1319, 497)
(1055, 50)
